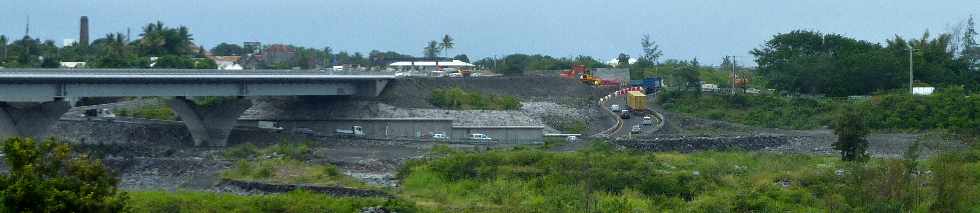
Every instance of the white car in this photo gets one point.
(647, 120)
(440, 136)
(614, 107)
(480, 137)
(571, 139)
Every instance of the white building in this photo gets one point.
(430, 65)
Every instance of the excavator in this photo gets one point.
(583, 74)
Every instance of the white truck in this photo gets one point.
(354, 131)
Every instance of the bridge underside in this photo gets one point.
(47, 91)
(27, 109)
(19, 119)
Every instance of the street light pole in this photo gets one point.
(911, 88)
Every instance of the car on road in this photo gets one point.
(647, 120)
(480, 137)
(636, 129)
(440, 136)
(571, 139)
(614, 107)
(624, 114)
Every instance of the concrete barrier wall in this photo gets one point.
(518, 135)
(377, 128)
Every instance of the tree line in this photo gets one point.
(811, 62)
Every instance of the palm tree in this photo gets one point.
(153, 40)
(447, 43)
(431, 50)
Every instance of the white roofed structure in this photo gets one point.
(454, 63)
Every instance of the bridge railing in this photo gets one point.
(192, 71)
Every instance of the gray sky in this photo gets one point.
(706, 29)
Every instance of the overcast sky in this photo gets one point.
(706, 29)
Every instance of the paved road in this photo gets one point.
(634, 120)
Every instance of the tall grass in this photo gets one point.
(297, 201)
(602, 181)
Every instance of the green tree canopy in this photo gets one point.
(447, 43)
(850, 127)
(432, 49)
(46, 177)
(160, 40)
(226, 49)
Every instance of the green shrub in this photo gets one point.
(529, 180)
(289, 171)
(296, 201)
(283, 149)
(153, 111)
(571, 126)
(760, 111)
(457, 98)
(46, 177)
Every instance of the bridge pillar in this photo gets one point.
(28, 119)
(210, 125)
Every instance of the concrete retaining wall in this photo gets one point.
(692, 144)
(519, 134)
(375, 127)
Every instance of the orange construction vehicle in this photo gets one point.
(583, 74)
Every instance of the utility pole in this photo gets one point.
(911, 88)
(734, 78)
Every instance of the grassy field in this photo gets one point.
(759, 111)
(284, 163)
(297, 201)
(537, 181)
(600, 179)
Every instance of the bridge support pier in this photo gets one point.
(28, 119)
(210, 125)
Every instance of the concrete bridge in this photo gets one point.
(31, 100)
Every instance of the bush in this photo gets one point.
(288, 171)
(284, 149)
(153, 111)
(572, 126)
(46, 178)
(457, 98)
(760, 111)
(296, 201)
(850, 128)
(529, 180)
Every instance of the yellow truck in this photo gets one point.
(636, 101)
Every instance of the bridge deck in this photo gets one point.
(136, 75)
(38, 84)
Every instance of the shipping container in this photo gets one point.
(636, 100)
(652, 84)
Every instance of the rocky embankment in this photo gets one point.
(692, 144)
